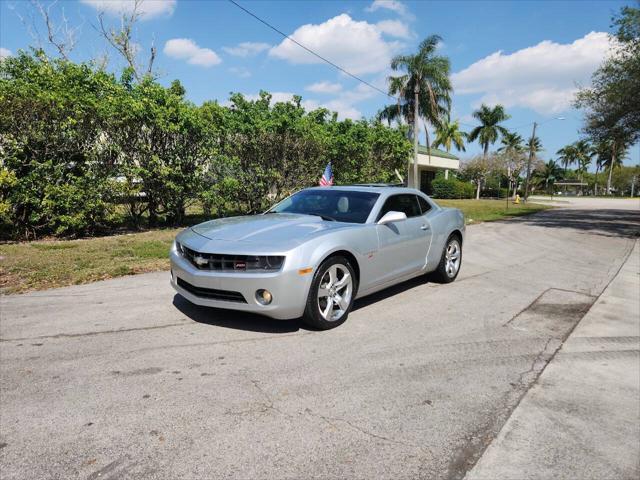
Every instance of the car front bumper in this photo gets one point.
(288, 288)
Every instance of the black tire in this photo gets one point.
(312, 314)
(444, 274)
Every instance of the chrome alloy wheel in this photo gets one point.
(452, 258)
(334, 293)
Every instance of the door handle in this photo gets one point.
(424, 227)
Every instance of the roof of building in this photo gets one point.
(436, 152)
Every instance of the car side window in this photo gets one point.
(405, 203)
(424, 205)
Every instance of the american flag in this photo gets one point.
(327, 177)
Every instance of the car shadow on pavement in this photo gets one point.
(234, 319)
(391, 291)
(609, 222)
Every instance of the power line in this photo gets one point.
(248, 12)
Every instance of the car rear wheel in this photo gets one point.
(331, 294)
(450, 262)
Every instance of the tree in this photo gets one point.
(567, 156)
(534, 144)
(448, 134)
(490, 129)
(476, 170)
(122, 40)
(426, 74)
(51, 145)
(75, 142)
(512, 151)
(612, 113)
(548, 174)
(583, 154)
(610, 154)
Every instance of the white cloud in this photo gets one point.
(275, 97)
(245, 49)
(543, 77)
(187, 49)
(394, 28)
(324, 87)
(240, 72)
(4, 52)
(147, 8)
(355, 46)
(393, 5)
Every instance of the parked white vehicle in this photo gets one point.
(315, 252)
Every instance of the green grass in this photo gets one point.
(476, 211)
(47, 264)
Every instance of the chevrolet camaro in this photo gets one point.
(315, 252)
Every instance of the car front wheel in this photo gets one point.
(331, 294)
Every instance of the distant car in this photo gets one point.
(315, 252)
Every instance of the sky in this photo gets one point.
(529, 56)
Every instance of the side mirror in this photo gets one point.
(392, 216)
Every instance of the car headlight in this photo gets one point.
(261, 263)
(179, 248)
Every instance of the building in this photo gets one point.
(431, 161)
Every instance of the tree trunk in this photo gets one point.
(153, 214)
(478, 190)
(595, 181)
(613, 162)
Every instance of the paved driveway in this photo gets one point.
(122, 379)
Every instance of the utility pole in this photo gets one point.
(416, 180)
(526, 185)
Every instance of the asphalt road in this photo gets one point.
(122, 379)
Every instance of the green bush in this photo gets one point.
(451, 188)
(78, 147)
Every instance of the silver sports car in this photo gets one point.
(315, 252)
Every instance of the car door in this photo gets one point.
(402, 245)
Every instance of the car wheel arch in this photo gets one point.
(458, 234)
(349, 256)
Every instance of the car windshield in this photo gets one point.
(339, 205)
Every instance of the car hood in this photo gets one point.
(280, 231)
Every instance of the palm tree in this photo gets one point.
(388, 113)
(449, 134)
(548, 175)
(534, 145)
(397, 87)
(584, 154)
(611, 154)
(426, 73)
(567, 156)
(511, 143)
(490, 129)
(512, 147)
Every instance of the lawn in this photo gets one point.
(46, 264)
(476, 211)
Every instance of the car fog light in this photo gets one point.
(264, 297)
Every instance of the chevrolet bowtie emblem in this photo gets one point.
(201, 261)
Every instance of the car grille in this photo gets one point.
(232, 263)
(223, 295)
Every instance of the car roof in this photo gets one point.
(381, 189)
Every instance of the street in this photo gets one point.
(124, 379)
